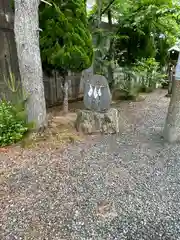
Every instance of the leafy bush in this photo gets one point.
(12, 123)
(149, 72)
(142, 77)
(128, 84)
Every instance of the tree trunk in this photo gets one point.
(99, 7)
(171, 81)
(170, 84)
(26, 27)
(172, 125)
(97, 68)
(65, 100)
(110, 54)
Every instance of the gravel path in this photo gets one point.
(116, 187)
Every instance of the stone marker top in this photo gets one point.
(98, 81)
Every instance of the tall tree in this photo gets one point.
(26, 27)
(103, 38)
(110, 52)
(172, 124)
(66, 42)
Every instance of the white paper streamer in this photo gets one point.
(95, 93)
(90, 91)
(99, 92)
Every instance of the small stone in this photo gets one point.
(106, 209)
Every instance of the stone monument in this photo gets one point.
(97, 94)
(98, 116)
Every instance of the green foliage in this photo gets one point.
(17, 95)
(66, 42)
(12, 123)
(149, 28)
(13, 117)
(146, 66)
(144, 32)
(103, 39)
(142, 77)
(12, 4)
(149, 72)
(13, 86)
(101, 50)
(11, 82)
(128, 83)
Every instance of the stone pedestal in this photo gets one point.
(90, 122)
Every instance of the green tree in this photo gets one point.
(65, 40)
(103, 38)
(146, 30)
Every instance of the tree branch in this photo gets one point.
(107, 7)
(44, 1)
(104, 10)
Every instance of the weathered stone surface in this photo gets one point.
(97, 95)
(90, 122)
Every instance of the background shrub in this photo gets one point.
(13, 124)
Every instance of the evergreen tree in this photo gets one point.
(65, 40)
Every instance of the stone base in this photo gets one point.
(90, 122)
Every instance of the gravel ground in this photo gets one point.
(114, 187)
